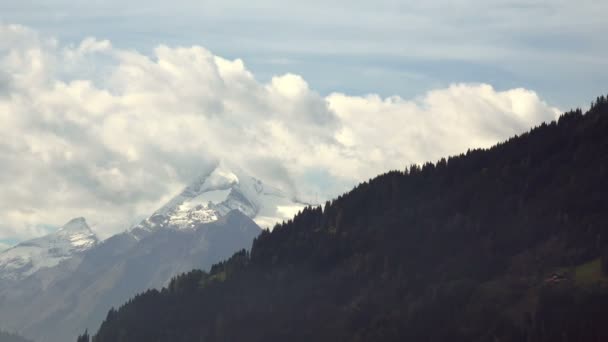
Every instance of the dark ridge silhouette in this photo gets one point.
(504, 244)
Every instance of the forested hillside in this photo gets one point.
(504, 244)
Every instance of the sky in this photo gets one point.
(109, 108)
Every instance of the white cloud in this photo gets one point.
(386, 133)
(96, 131)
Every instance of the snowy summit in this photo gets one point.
(215, 193)
(28, 257)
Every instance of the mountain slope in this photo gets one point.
(505, 244)
(30, 256)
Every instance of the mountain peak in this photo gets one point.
(215, 193)
(77, 234)
(47, 251)
(78, 224)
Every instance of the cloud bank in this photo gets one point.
(110, 134)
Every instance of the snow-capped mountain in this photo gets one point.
(30, 256)
(67, 281)
(216, 193)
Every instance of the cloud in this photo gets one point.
(110, 134)
(380, 133)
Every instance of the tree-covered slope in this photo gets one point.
(504, 244)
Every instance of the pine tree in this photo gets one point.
(84, 337)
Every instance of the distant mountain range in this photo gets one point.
(53, 287)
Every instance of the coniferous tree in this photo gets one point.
(84, 337)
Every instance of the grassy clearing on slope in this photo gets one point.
(590, 274)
